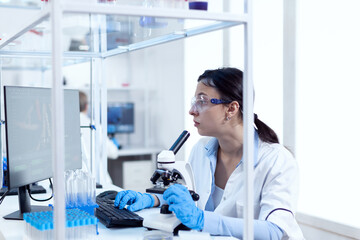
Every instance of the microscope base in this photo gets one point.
(164, 222)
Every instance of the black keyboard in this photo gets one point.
(111, 216)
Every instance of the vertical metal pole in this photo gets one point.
(100, 67)
(95, 38)
(91, 101)
(147, 115)
(100, 101)
(103, 120)
(226, 38)
(57, 97)
(289, 74)
(96, 108)
(248, 116)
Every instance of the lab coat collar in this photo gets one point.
(212, 147)
(256, 147)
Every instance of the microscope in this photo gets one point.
(170, 172)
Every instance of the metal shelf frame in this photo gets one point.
(55, 11)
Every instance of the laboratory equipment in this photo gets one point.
(112, 216)
(79, 225)
(28, 129)
(120, 117)
(170, 172)
(80, 191)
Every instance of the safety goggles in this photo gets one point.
(203, 102)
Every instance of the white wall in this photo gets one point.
(328, 111)
(267, 59)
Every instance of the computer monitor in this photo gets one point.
(120, 117)
(28, 126)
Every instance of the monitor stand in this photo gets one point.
(34, 189)
(24, 206)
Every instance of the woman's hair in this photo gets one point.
(229, 83)
(83, 101)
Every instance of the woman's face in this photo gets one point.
(208, 117)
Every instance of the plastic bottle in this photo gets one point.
(198, 5)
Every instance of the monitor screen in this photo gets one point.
(120, 117)
(29, 133)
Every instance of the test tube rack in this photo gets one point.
(79, 225)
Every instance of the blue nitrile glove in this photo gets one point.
(181, 203)
(136, 200)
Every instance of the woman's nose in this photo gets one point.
(193, 111)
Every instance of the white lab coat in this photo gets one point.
(112, 150)
(275, 184)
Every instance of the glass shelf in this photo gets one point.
(103, 30)
(21, 4)
(26, 63)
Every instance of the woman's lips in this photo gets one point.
(196, 123)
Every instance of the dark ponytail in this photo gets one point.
(229, 83)
(266, 134)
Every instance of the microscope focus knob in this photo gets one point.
(165, 209)
(194, 195)
(156, 175)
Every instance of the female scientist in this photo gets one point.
(218, 169)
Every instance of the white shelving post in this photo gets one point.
(58, 121)
(99, 101)
(248, 116)
(289, 74)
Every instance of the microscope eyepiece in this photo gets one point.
(180, 141)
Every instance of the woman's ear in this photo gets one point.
(233, 109)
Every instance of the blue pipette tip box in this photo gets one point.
(89, 208)
(74, 217)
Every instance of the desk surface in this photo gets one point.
(15, 230)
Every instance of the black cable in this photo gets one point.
(42, 200)
(4, 195)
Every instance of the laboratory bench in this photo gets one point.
(15, 229)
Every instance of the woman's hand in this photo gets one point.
(181, 203)
(135, 200)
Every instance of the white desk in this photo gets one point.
(139, 151)
(132, 163)
(15, 229)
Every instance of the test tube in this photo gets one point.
(81, 189)
(91, 189)
(70, 189)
